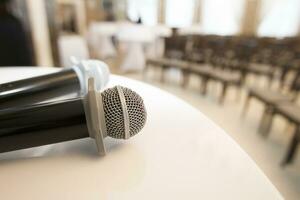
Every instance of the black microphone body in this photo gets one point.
(42, 124)
(67, 83)
(40, 88)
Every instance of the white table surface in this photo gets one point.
(180, 154)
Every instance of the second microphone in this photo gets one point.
(71, 82)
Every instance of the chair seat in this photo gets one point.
(215, 74)
(270, 96)
(168, 62)
(290, 111)
(226, 76)
(180, 64)
(155, 61)
(201, 70)
(261, 69)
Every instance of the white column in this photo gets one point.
(40, 32)
(251, 17)
(161, 11)
(81, 16)
(197, 12)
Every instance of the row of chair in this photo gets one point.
(214, 58)
(281, 103)
(206, 73)
(229, 60)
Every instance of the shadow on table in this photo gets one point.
(83, 147)
(56, 166)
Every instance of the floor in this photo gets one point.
(266, 152)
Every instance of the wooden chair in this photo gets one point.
(227, 79)
(291, 112)
(175, 50)
(207, 74)
(204, 72)
(261, 70)
(166, 63)
(271, 99)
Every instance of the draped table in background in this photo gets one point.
(135, 42)
(100, 38)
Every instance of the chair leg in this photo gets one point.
(246, 105)
(238, 93)
(185, 79)
(145, 70)
(288, 127)
(267, 82)
(270, 81)
(223, 93)
(266, 121)
(288, 158)
(243, 78)
(203, 87)
(162, 75)
(282, 78)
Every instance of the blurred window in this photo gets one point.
(179, 13)
(279, 18)
(145, 10)
(222, 17)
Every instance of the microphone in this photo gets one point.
(117, 112)
(70, 82)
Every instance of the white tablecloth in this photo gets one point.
(133, 39)
(100, 38)
(180, 154)
(136, 42)
(72, 45)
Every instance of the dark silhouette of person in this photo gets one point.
(14, 49)
(139, 21)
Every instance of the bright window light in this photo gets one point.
(280, 18)
(179, 13)
(222, 17)
(144, 9)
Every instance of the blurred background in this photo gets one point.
(237, 61)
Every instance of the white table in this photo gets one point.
(180, 154)
(132, 39)
(72, 45)
(100, 38)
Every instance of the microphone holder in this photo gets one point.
(95, 118)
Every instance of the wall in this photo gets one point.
(40, 32)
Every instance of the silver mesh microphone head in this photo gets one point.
(124, 111)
